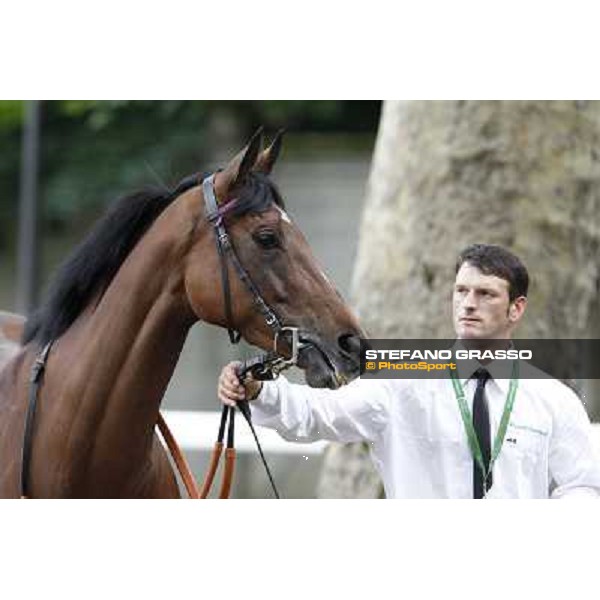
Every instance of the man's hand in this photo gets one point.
(229, 388)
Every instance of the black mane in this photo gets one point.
(90, 268)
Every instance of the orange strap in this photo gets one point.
(182, 466)
(186, 473)
(228, 473)
(227, 416)
(212, 469)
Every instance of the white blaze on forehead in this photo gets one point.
(284, 215)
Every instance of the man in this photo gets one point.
(436, 438)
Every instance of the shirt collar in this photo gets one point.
(466, 369)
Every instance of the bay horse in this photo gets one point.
(118, 313)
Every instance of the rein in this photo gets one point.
(263, 367)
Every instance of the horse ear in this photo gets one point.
(267, 158)
(239, 166)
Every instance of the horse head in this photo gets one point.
(280, 266)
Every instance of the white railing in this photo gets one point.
(195, 430)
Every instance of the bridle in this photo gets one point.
(215, 215)
(273, 360)
(263, 367)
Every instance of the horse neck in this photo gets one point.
(121, 354)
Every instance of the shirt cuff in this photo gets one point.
(267, 404)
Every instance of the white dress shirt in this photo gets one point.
(418, 441)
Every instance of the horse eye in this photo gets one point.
(266, 239)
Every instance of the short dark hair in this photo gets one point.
(495, 260)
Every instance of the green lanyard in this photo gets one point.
(468, 421)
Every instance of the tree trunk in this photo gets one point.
(525, 175)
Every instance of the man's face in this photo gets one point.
(481, 305)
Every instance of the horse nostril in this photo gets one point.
(349, 343)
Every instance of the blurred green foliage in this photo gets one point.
(92, 151)
(11, 114)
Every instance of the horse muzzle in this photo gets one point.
(330, 367)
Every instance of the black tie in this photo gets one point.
(481, 424)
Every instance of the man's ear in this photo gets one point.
(517, 309)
